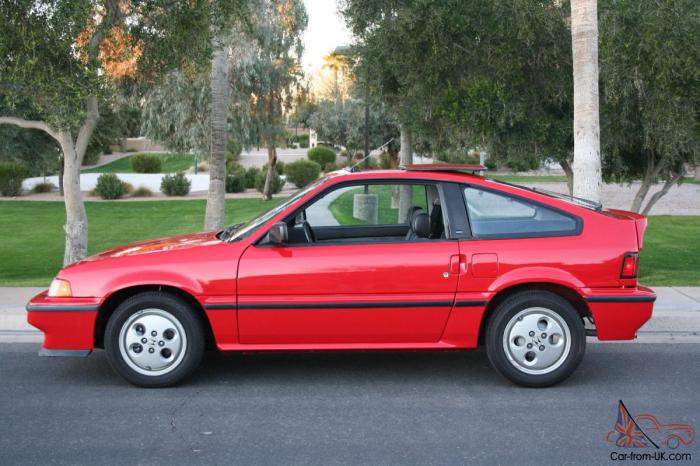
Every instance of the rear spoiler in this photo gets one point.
(640, 222)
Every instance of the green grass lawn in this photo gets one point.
(31, 233)
(528, 178)
(671, 253)
(171, 163)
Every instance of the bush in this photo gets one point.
(146, 163)
(302, 172)
(142, 191)
(251, 175)
(235, 182)
(280, 167)
(175, 185)
(91, 157)
(491, 164)
(330, 167)
(386, 161)
(321, 155)
(11, 176)
(303, 140)
(44, 187)
(109, 186)
(128, 188)
(277, 182)
(131, 149)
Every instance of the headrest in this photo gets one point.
(420, 224)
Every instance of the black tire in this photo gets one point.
(506, 364)
(191, 348)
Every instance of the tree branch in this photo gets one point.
(666, 188)
(112, 16)
(88, 127)
(30, 124)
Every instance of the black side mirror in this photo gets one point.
(278, 233)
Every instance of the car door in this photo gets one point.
(347, 289)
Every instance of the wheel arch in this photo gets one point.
(566, 292)
(111, 303)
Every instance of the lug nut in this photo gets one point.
(529, 345)
(144, 341)
(532, 334)
(154, 333)
(544, 335)
(161, 343)
(541, 347)
(151, 350)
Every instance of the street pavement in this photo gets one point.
(438, 408)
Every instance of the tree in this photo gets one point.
(274, 73)
(52, 61)
(650, 97)
(584, 37)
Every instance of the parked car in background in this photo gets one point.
(428, 257)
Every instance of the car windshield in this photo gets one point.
(237, 232)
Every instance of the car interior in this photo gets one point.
(422, 223)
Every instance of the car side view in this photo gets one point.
(427, 257)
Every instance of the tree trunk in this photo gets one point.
(271, 163)
(584, 34)
(405, 158)
(216, 200)
(659, 194)
(76, 217)
(61, 165)
(697, 173)
(652, 172)
(568, 171)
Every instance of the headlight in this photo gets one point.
(60, 289)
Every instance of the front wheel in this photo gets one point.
(535, 338)
(154, 339)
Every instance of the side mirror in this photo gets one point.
(278, 233)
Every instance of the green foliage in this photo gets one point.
(330, 167)
(146, 163)
(649, 55)
(11, 176)
(276, 183)
(388, 160)
(301, 139)
(236, 182)
(280, 167)
(302, 172)
(142, 191)
(170, 163)
(109, 186)
(321, 155)
(251, 175)
(44, 187)
(175, 185)
(233, 149)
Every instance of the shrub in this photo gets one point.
(175, 185)
(131, 149)
(491, 164)
(386, 160)
(109, 186)
(128, 187)
(251, 175)
(277, 182)
(330, 167)
(44, 187)
(302, 172)
(280, 167)
(146, 163)
(232, 166)
(142, 191)
(303, 140)
(235, 182)
(11, 176)
(321, 155)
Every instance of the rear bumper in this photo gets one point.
(68, 324)
(619, 312)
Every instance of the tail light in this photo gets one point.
(630, 264)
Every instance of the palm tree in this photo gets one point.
(215, 211)
(584, 38)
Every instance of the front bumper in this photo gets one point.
(619, 312)
(68, 324)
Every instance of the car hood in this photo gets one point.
(170, 243)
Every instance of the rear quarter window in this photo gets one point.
(499, 215)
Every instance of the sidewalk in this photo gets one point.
(676, 316)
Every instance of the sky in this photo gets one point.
(326, 30)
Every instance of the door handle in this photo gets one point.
(458, 265)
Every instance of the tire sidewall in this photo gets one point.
(507, 310)
(194, 348)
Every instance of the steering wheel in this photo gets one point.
(308, 232)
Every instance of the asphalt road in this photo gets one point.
(337, 408)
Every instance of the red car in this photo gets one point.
(422, 258)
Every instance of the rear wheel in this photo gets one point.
(154, 339)
(535, 338)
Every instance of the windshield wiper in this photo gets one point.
(228, 231)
